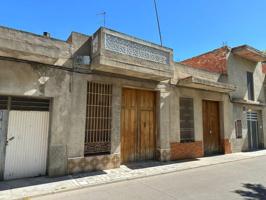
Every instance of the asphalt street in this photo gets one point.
(244, 179)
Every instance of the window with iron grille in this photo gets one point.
(98, 119)
(186, 120)
(238, 127)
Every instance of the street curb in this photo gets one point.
(134, 178)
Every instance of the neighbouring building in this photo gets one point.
(96, 102)
(243, 67)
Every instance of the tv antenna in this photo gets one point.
(224, 44)
(158, 22)
(104, 17)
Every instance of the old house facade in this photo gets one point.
(242, 67)
(96, 102)
(88, 103)
(201, 105)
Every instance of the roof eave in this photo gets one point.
(249, 53)
(199, 83)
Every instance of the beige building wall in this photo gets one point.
(240, 113)
(23, 79)
(198, 96)
(68, 94)
(76, 136)
(237, 75)
(68, 90)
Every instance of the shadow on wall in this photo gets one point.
(262, 95)
(252, 192)
(245, 147)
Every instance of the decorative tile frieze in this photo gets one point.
(93, 163)
(130, 48)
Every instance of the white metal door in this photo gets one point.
(26, 150)
(253, 134)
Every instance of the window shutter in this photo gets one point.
(238, 128)
(186, 120)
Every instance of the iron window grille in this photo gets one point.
(98, 119)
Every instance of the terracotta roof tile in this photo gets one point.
(213, 61)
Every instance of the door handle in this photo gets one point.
(10, 139)
(210, 131)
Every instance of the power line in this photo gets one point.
(158, 22)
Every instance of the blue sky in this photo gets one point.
(190, 27)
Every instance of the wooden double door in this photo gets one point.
(211, 128)
(138, 139)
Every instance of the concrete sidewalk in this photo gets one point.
(19, 189)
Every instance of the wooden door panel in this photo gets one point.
(144, 135)
(146, 101)
(152, 135)
(137, 125)
(128, 125)
(128, 144)
(211, 127)
(147, 138)
(147, 135)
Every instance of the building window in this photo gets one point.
(186, 120)
(238, 127)
(98, 119)
(250, 86)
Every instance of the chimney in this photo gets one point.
(46, 34)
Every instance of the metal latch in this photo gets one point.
(10, 139)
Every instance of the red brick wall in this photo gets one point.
(213, 61)
(186, 150)
(264, 68)
(227, 146)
